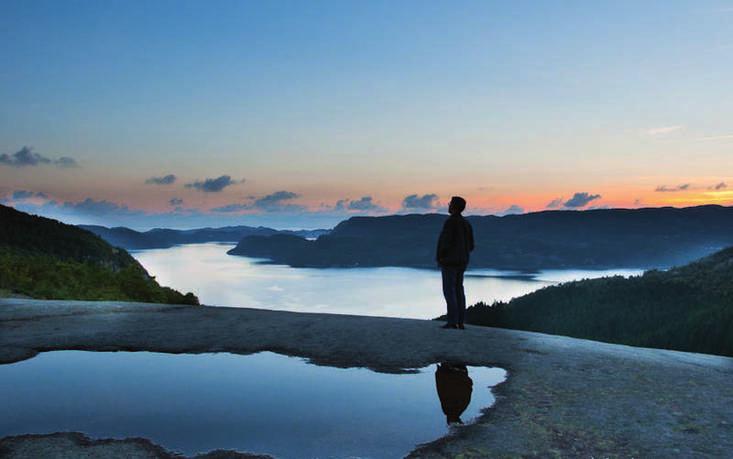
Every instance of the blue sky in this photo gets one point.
(514, 105)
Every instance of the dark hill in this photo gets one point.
(603, 238)
(32, 234)
(44, 258)
(688, 308)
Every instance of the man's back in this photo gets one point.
(455, 242)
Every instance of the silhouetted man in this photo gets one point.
(454, 390)
(454, 246)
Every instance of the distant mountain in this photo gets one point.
(161, 238)
(689, 308)
(604, 238)
(44, 258)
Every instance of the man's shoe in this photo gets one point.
(461, 327)
(449, 326)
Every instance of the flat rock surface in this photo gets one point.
(564, 397)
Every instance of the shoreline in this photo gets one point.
(563, 396)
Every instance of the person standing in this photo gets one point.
(454, 247)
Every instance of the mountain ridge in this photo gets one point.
(162, 238)
(590, 239)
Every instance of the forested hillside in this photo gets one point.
(688, 308)
(44, 258)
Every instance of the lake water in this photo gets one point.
(224, 280)
(262, 403)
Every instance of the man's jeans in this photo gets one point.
(455, 299)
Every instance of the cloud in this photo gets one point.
(24, 195)
(229, 208)
(89, 210)
(581, 199)
(115, 214)
(176, 202)
(278, 201)
(555, 203)
(213, 185)
(426, 201)
(365, 203)
(674, 189)
(719, 186)
(164, 180)
(717, 137)
(513, 210)
(664, 130)
(26, 157)
(65, 162)
(91, 206)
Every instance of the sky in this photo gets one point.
(301, 114)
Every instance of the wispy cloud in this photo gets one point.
(674, 189)
(279, 201)
(717, 137)
(213, 185)
(663, 130)
(231, 208)
(365, 203)
(718, 187)
(581, 199)
(26, 157)
(162, 180)
(24, 195)
(65, 162)
(94, 207)
(555, 203)
(20, 195)
(417, 202)
(514, 209)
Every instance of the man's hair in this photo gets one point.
(458, 202)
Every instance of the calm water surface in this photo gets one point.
(224, 280)
(263, 403)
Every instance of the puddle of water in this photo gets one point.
(262, 403)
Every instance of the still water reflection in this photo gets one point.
(265, 403)
(224, 280)
(454, 387)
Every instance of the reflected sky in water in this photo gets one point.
(225, 280)
(265, 403)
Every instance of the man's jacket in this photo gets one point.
(455, 242)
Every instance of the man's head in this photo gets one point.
(457, 205)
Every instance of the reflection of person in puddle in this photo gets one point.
(454, 390)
